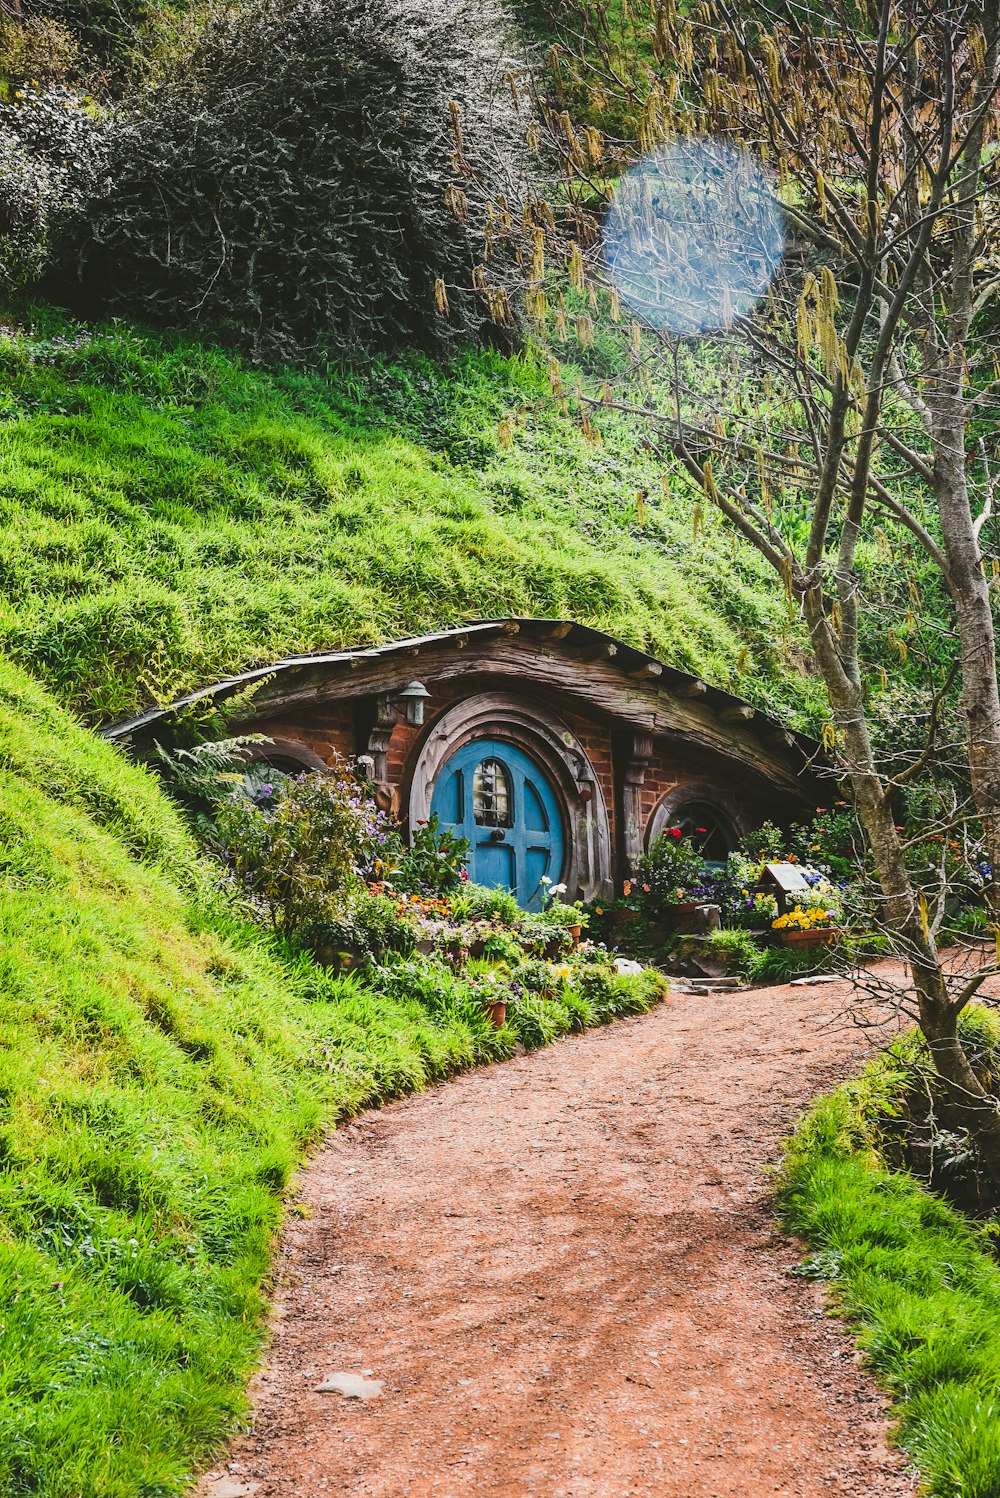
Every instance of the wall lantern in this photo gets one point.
(414, 696)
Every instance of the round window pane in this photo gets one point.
(710, 832)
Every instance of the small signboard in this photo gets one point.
(785, 881)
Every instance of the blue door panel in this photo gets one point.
(535, 819)
(450, 808)
(495, 865)
(529, 843)
(537, 862)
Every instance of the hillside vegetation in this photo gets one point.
(170, 515)
(161, 1069)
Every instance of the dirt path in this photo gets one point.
(566, 1277)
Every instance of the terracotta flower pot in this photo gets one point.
(683, 914)
(497, 1012)
(574, 932)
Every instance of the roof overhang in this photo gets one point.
(620, 679)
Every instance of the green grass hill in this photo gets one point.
(170, 516)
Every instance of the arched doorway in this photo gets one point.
(713, 820)
(552, 750)
(498, 797)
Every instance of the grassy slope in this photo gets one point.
(919, 1284)
(159, 1076)
(169, 516)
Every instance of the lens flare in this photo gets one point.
(694, 236)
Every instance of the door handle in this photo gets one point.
(498, 835)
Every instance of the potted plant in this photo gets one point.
(668, 872)
(494, 997)
(806, 927)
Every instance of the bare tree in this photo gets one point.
(875, 362)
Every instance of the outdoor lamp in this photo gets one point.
(415, 695)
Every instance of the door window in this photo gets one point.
(492, 801)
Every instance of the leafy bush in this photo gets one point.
(25, 192)
(304, 858)
(434, 863)
(479, 902)
(310, 170)
(670, 867)
(52, 156)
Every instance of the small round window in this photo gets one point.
(707, 828)
(492, 802)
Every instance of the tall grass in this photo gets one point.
(919, 1283)
(168, 515)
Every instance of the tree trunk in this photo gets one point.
(972, 1107)
(970, 592)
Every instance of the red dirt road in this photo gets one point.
(565, 1274)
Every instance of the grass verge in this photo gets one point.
(161, 1072)
(917, 1281)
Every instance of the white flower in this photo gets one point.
(558, 889)
(546, 879)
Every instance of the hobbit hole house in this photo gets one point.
(559, 752)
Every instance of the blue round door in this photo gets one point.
(497, 797)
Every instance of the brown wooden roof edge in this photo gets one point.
(628, 658)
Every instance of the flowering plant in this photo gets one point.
(557, 911)
(812, 918)
(671, 867)
(302, 855)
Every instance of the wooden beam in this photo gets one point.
(645, 672)
(555, 631)
(606, 651)
(692, 689)
(779, 738)
(460, 641)
(741, 714)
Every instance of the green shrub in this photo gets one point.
(298, 175)
(300, 858)
(434, 863)
(51, 157)
(365, 922)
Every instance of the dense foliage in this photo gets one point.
(297, 172)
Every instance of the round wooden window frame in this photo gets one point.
(670, 805)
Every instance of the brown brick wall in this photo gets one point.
(326, 730)
(329, 729)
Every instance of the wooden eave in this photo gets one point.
(610, 676)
